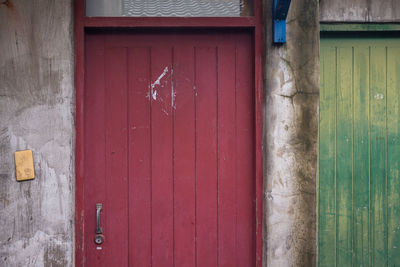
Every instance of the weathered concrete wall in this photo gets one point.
(360, 10)
(36, 107)
(291, 131)
(36, 112)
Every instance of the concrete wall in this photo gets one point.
(290, 132)
(291, 122)
(360, 10)
(36, 112)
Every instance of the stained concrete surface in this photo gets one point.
(360, 11)
(36, 112)
(291, 123)
(290, 134)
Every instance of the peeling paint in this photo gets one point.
(173, 94)
(157, 82)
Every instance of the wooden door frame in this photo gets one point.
(359, 27)
(83, 23)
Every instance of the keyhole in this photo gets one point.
(99, 239)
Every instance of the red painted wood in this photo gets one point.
(245, 155)
(81, 22)
(258, 126)
(206, 156)
(115, 212)
(139, 157)
(167, 22)
(190, 192)
(94, 147)
(227, 173)
(184, 157)
(161, 155)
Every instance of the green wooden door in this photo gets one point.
(359, 153)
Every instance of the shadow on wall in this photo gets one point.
(291, 134)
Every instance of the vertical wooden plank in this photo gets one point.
(94, 146)
(378, 155)
(318, 178)
(327, 135)
(361, 155)
(184, 156)
(393, 118)
(259, 103)
(139, 158)
(161, 154)
(246, 184)
(206, 156)
(344, 160)
(227, 175)
(116, 209)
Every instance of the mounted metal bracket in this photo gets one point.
(280, 11)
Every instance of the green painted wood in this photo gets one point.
(393, 118)
(360, 156)
(378, 155)
(344, 162)
(346, 27)
(327, 159)
(359, 153)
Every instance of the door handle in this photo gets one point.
(99, 207)
(99, 238)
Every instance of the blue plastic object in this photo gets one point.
(281, 9)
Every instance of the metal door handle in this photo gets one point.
(99, 207)
(99, 238)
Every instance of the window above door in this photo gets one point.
(169, 8)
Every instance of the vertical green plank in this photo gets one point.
(344, 161)
(361, 158)
(393, 102)
(378, 154)
(321, 79)
(327, 205)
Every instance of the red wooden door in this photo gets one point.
(169, 149)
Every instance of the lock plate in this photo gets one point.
(99, 239)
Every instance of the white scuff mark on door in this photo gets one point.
(195, 90)
(157, 82)
(172, 91)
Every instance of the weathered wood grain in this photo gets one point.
(366, 126)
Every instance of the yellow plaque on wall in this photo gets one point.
(24, 165)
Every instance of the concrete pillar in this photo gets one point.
(291, 134)
(37, 113)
